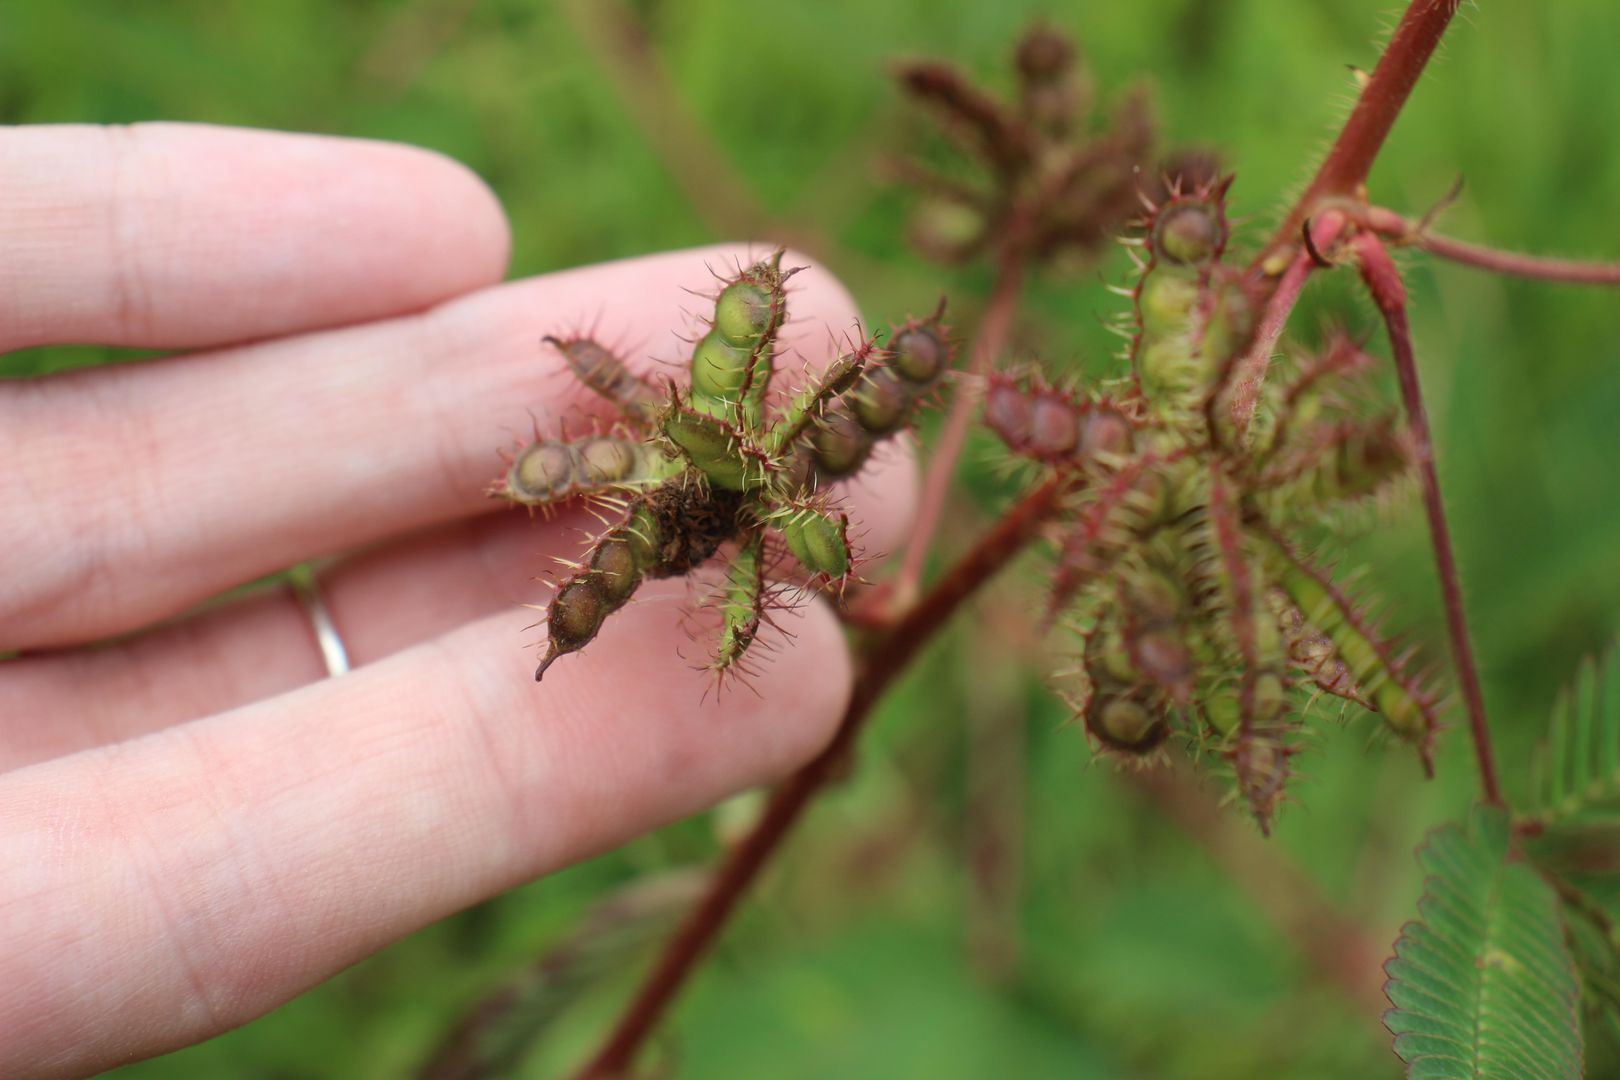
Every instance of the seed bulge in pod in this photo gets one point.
(919, 355)
(1054, 429)
(839, 443)
(1188, 233)
(544, 470)
(718, 368)
(1165, 303)
(643, 537)
(881, 401)
(744, 313)
(1104, 431)
(576, 614)
(818, 541)
(1125, 724)
(1008, 412)
(607, 459)
(613, 564)
(711, 447)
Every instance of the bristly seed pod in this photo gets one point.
(1189, 233)
(839, 444)
(921, 356)
(1126, 723)
(816, 538)
(544, 471)
(719, 368)
(745, 312)
(881, 402)
(599, 368)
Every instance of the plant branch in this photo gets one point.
(1240, 385)
(887, 659)
(1345, 169)
(991, 340)
(1389, 293)
(1404, 232)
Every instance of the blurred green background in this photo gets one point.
(979, 900)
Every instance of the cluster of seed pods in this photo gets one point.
(1180, 564)
(718, 467)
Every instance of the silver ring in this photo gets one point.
(304, 587)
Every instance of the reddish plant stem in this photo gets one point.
(991, 340)
(1347, 164)
(1389, 293)
(1568, 271)
(887, 659)
(1241, 385)
(1403, 232)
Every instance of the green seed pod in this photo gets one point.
(1222, 711)
(1189, 233)
(817, 539)
(719, 368)
(840, 444)
(1166, 302)
(745, 312)
(920, 355)
(1168, 366)
(741, 603)
(1126, 723)
(544, 471)
(713, 448)
(881, 402)
(606, 460)
(642, 533)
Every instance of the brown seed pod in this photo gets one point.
(920, 354)
(881, 403)
(839, 444)
(599, 368)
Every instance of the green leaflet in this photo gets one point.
(1578, 769)
(1482, 983)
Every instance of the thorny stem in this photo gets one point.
(991, 340)
(1347, 164)
(1569, 271)
(1403, 232)
(1249, 369)
(1389, 293)
(887, 659)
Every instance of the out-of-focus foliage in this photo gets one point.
(978, 900)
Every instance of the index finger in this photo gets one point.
(187, 234)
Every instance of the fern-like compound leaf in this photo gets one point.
(1579, 767)
(1482, 983)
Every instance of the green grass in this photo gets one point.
(1141, 957)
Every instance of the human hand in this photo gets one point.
(195, 825)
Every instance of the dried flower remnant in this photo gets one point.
(1048, 186)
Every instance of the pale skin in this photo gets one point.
(195, 823)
